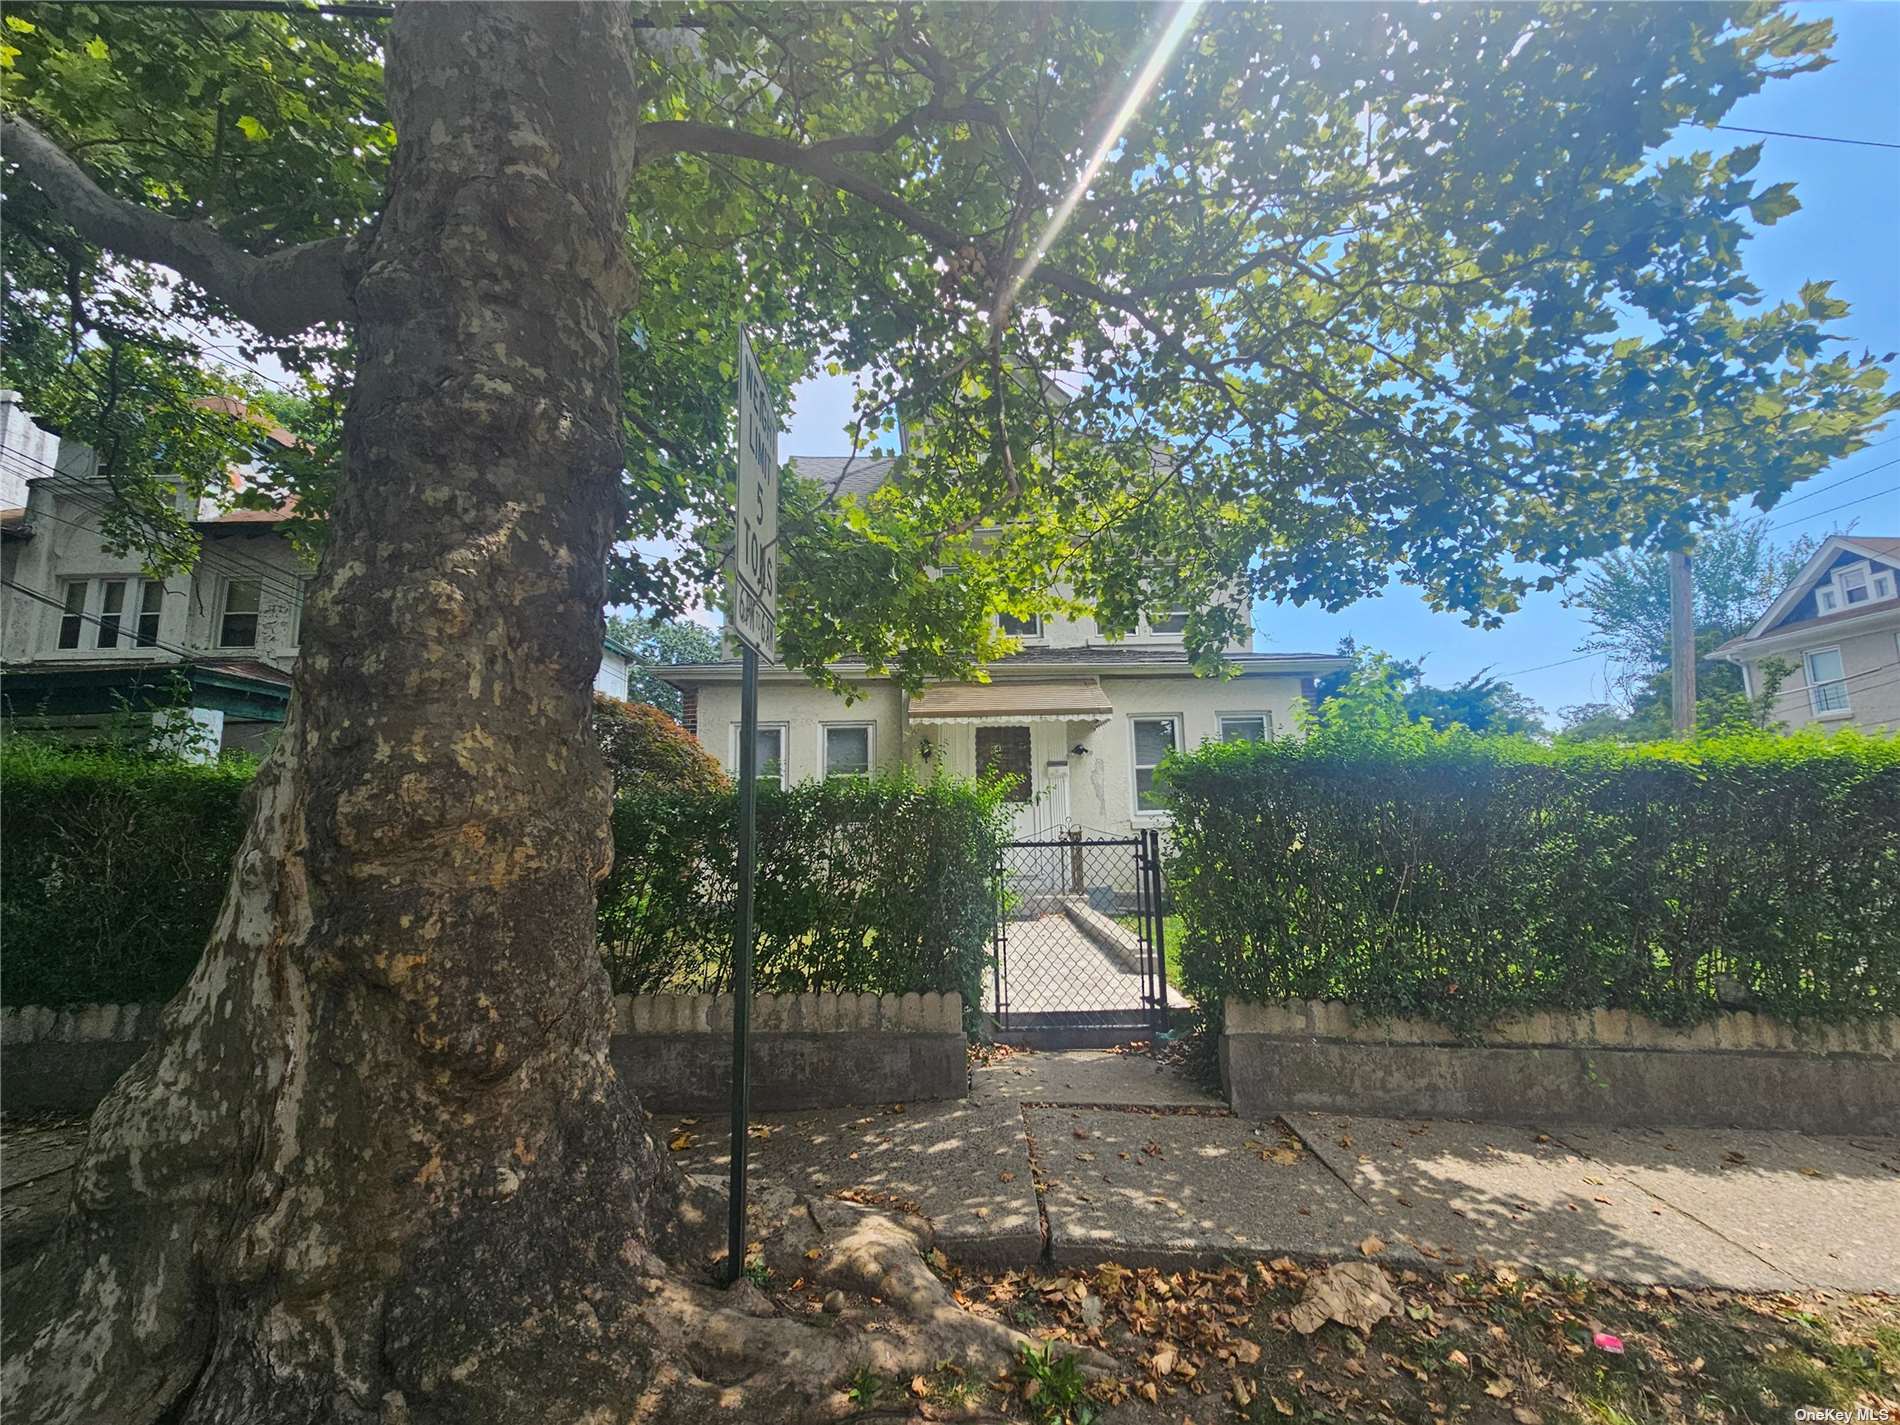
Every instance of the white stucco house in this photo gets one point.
(1838, 626)
(87, 636)
(1081, 719)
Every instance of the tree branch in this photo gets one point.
(280, 294)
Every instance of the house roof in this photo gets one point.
(1040, 662)
(845, 474)
(1014, 700)
(1776, 621)
(253, 668)
(277, 514)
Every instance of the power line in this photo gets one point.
(119, 628)
(231, 563)
(1561, 662)
(1816, 138)
(1858, 474)
(1830, 509)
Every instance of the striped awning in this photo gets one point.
(1013, 700)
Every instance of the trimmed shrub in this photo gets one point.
(1457, 877)
(863, 883)
(644, 746)
(112, 868)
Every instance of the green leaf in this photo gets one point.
(24, 27)
(97, 48)
(253, 130)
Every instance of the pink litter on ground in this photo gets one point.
(1606, 1342)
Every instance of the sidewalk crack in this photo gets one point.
(1681, 1211)
(1324, 1161)
(1036, 1181)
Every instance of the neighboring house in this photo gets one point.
(87, 638)
(616, 661)
(1081, 720)
(1838, 627)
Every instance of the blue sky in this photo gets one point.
(1848, 230)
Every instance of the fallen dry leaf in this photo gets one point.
(1459, 1359)
(1371, 1246)
(1280, 1405)
(1498, 1388)
(683, 1142)
(1524, 1415)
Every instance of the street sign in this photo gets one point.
(754, 568)
(754, 622)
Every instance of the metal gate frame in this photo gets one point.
(1105, 1024)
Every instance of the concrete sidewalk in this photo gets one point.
(1095, 1155)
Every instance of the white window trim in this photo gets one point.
(1263, 716)
(1831, 596)
(1040, 634)
(91, 610)
(1807, 674)
(824, 747)
(1166, 636)
(1135, 807)
(256, 645)
(784, 730)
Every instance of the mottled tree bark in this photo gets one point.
(377, 1165)
(379, 1133)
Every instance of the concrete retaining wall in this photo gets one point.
(1606, 1066)
(808, 1051)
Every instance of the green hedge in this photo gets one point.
(1460, 877)
(879, 883)
(112, 869)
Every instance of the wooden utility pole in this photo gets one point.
(1681, 643)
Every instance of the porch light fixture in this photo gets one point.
(1079, 750)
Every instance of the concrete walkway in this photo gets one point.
(1053, 966)
(1093, 1155)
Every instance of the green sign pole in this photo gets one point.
(742, 962)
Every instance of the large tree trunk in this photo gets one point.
(379, 1131)
(377, 1166)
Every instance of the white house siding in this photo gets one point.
(803, 709)
(1870, 662)
(1100, 780)
(611, 677)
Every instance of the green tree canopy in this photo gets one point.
(1339, 293)
(656, 642)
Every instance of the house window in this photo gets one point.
(1853, 585)
(1004, 752)
(846, 749)
(771, 751)
(296, 622)
(1171, 625)
(1826, 600)
(237, 625)
(151, 607)
(1883, 586)
(72, 615)
(1030, 627)
(1154, 738)
(111, 612)
(1246, 727)
(1827, 681)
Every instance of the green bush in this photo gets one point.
(868, 884)
(1458, 877)
(112, 867)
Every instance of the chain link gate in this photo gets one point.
(1078, 954)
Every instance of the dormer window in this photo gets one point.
(1030, 627)
(1852, 586)
(1169, 625)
